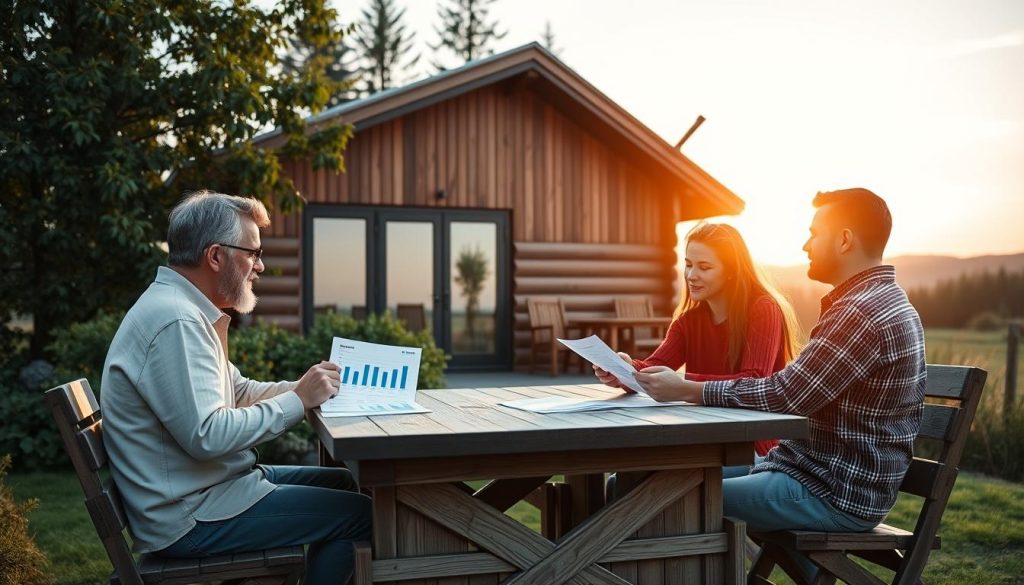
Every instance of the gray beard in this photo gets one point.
(235, 288)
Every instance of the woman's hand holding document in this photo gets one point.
(597, 352)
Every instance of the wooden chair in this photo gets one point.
(78, 419)
(414, 316)
(359, 312)
(645, 339)
(548, 322)
(953, 393)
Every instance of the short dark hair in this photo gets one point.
(864, 212)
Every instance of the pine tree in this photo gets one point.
(384, 45)
(465, 31)
(336, 60)
(547, 39)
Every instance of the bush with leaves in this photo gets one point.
(79, 350)
(21, 561)
(267, 352)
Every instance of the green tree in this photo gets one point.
(465, 31)
(337, 59)
(385, 45)
(471, 269)
(111, 109)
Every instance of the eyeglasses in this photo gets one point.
(254, 253)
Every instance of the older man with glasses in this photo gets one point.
(180, 420)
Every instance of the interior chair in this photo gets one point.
(80, 423)
(414, 316)
(952, 396)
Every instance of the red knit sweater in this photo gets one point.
(696, 341)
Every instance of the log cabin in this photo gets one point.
(470, 191)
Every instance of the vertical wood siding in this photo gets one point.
(500, 147)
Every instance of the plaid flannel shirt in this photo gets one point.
(860, 380)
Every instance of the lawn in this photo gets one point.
(982, 531)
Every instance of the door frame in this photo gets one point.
(376, 273)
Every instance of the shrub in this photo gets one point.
(27, 432)
(80, 349)
(266, 352)
(21, 562)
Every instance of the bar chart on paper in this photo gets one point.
(375, 379)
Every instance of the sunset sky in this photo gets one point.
(921, 101)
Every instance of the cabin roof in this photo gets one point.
(701, 194)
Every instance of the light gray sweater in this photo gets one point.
(179, 420)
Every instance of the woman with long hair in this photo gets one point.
(730, 322)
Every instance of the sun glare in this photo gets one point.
(775, 234)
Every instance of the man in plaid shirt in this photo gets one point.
(860, 380)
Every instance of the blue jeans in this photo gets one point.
(318, 506)
(772, 500)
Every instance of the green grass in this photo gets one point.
(982, 530)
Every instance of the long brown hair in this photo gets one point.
(744, 283)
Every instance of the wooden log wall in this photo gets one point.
(588, 278)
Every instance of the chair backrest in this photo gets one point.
(78, 419)
(547, 311)
(359, 312)
(414, 316)
(634, 308)
(952, 397)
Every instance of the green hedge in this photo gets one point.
(261, 352)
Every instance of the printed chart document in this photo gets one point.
(375, 379)
(597, 352)
(550, 404)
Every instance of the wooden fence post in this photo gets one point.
(1012, 341)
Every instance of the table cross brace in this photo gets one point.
(574, 558)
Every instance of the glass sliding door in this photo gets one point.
(440, 270)
(339, 264)
(473, 258)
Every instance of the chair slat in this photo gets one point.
(90, 442)
(947, 381)
(936, 421)
(920, 478)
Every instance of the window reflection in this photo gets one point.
(410, 271)
(339, 264)
(473, 248)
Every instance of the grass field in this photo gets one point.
(982, 529)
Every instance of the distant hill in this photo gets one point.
(913, 271)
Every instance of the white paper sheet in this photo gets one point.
(375, 379)
(597, 352)
(549, 404)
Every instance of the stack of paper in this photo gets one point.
(549, 404)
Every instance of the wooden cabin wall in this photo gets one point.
(588, 223)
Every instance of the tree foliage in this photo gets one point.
(465, 31)
(337, 59)
(385, 45)
(109, 110)
(971, 299)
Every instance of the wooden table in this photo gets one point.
(429, 525)
(613, 325)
